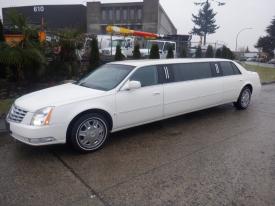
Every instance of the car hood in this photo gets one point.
(58, 95)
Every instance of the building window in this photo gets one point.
(125, 14)
(110, 14)
(139, 14)
(103, 15)
(132, 14)
(118, 14)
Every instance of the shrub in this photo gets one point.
(198, 53)
(154, 52)
(136, 52)
(170, 53)
(118, 56)
(218, 53)
(209, 52)
(183, 53)
(94, 55)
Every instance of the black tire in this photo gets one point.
(86, 137)
(244, 99)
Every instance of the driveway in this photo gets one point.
(219, 156)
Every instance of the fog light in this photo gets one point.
(41, 140)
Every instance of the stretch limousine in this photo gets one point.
(125, 94)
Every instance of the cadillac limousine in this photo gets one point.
(125, 94)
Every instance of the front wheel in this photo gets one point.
(244, 99)
(89, 132)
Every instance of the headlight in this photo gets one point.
(42, 116)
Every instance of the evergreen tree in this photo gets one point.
(136, 52)
(267, 43)
(154, 52)
(170, 53)
(2, 39)
(94, 55)
(118, 56)
(209, 52)
(204, 21)
(218, 53)
(183, 53)
(226, 53)
(198, 53)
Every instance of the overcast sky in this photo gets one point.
(234, 16)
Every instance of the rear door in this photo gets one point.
(232, 81)
(190, 87)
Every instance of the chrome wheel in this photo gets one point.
(91, 133)
(245, 98)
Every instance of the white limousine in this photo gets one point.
(125, 94)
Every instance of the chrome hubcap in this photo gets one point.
(245, 99)
(91, 133)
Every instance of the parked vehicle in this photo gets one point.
(252, 59)
(163, 48)
(272, 61)
(107, 45)
(126, 94)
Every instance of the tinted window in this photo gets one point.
(184, 72)
(216, 71)
(227, 68)
(147, 76)
(235, 68)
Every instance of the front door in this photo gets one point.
(141, 105)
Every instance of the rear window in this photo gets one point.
(229, 68)
(191, 71)
(235, 68)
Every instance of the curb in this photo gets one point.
(267, 83)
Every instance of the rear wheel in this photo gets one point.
(244, 99)
(89, 132)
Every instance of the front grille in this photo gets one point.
(16, 114)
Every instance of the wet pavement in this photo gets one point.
(218, 156)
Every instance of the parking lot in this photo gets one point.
(218, 156)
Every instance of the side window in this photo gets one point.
(168, 45)
(147, 76)
(191, 71)
(235, 68)
(216, 69)
(227, 68)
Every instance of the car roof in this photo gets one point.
(148, 62)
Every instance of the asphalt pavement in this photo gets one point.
(219, 156)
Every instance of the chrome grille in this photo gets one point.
(16, 114)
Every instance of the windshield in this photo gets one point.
(120, 42)
(106, 77)
(150, 43)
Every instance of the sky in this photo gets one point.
(233, 17)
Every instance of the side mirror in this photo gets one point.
(131, 85)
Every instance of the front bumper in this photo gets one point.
(38, 136)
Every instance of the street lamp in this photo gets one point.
(244, 29)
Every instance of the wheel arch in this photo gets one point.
(249, 85)
(98, 111)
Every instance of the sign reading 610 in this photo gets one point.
(38, 8)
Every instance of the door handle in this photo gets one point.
(156, 93)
